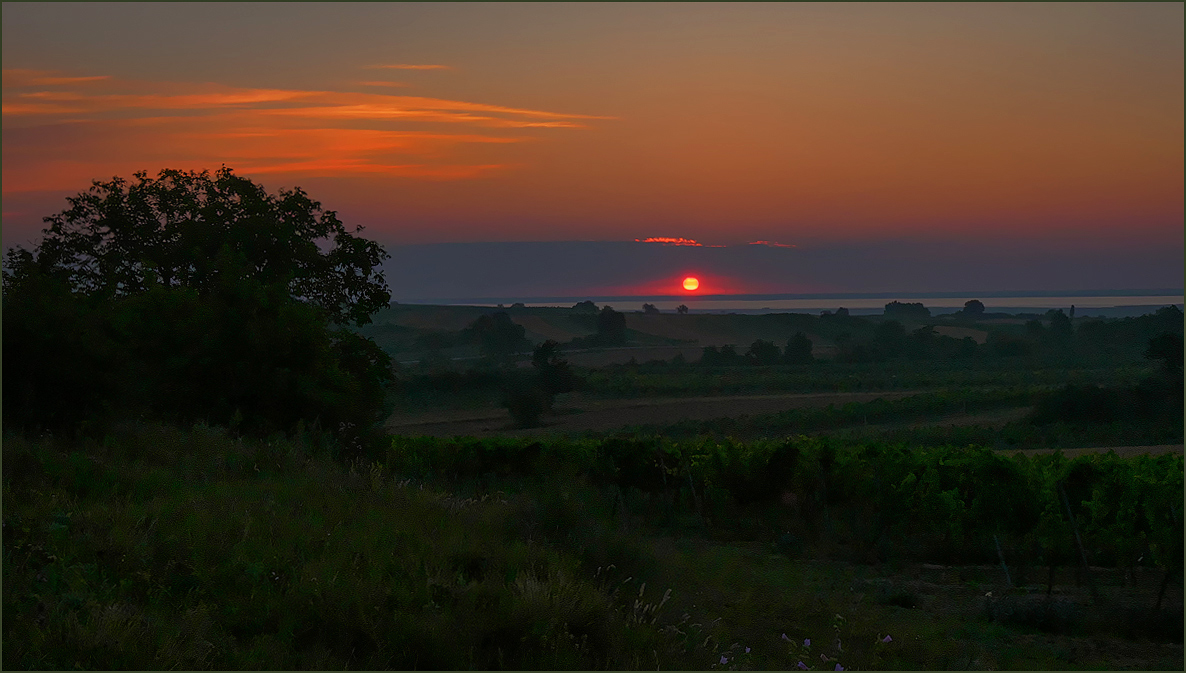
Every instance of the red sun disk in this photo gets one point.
(691, 283)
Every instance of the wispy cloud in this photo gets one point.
(407, 66)
(117, 125)
(772, 244)
(24, 77)
(666, 240)
(374, 83)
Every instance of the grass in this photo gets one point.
(165, 548)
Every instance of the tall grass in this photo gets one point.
(167, 548)
(186, 549)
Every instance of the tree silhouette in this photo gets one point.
(763, 353)
(191, 297)
(681, 309)
(498, 335)
(798, 350)
(1167, 347)
(974, 307)
(1060, 331)
(611, 327)
(890, 337)
(650, 309)
(555, 375)
(906, 311)
(120, 237)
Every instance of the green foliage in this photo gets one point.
(830, 376)
(831, 417)
(161, 548)
(939, 504)
(120, 237)
(207, 553)
(174, 298)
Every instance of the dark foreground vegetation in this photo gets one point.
(196, 476)
(162, 548)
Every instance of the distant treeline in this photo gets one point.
(905, 331)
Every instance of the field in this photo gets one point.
(580, 413)
(947, 507)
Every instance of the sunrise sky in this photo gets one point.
(1013, 134)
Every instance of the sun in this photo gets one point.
(691, 283)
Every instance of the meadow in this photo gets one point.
(915, 525)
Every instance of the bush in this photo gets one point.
(526, 402)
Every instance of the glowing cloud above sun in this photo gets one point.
(667, 240)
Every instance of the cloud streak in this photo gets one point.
(119, 126)
(23, 77)
(388, 84)
(406, 66)
(679, 242)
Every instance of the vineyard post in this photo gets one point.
(1165, 579)
(696, 498)
(1078, 541)
(1001, 556)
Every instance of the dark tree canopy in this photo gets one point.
(798, 350)
(763, 353)
(498, 335)
(195, 298)
(555, 376)
(974, 307)
(907, 311)
(1167, 347)
(120, 237)
(890, 336)
(1060, 326)
(611, 327)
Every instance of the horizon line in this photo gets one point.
(1002, 294)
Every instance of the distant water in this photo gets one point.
(1107, 305)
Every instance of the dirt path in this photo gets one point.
(580, 414)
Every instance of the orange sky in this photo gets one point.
(721, 123)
